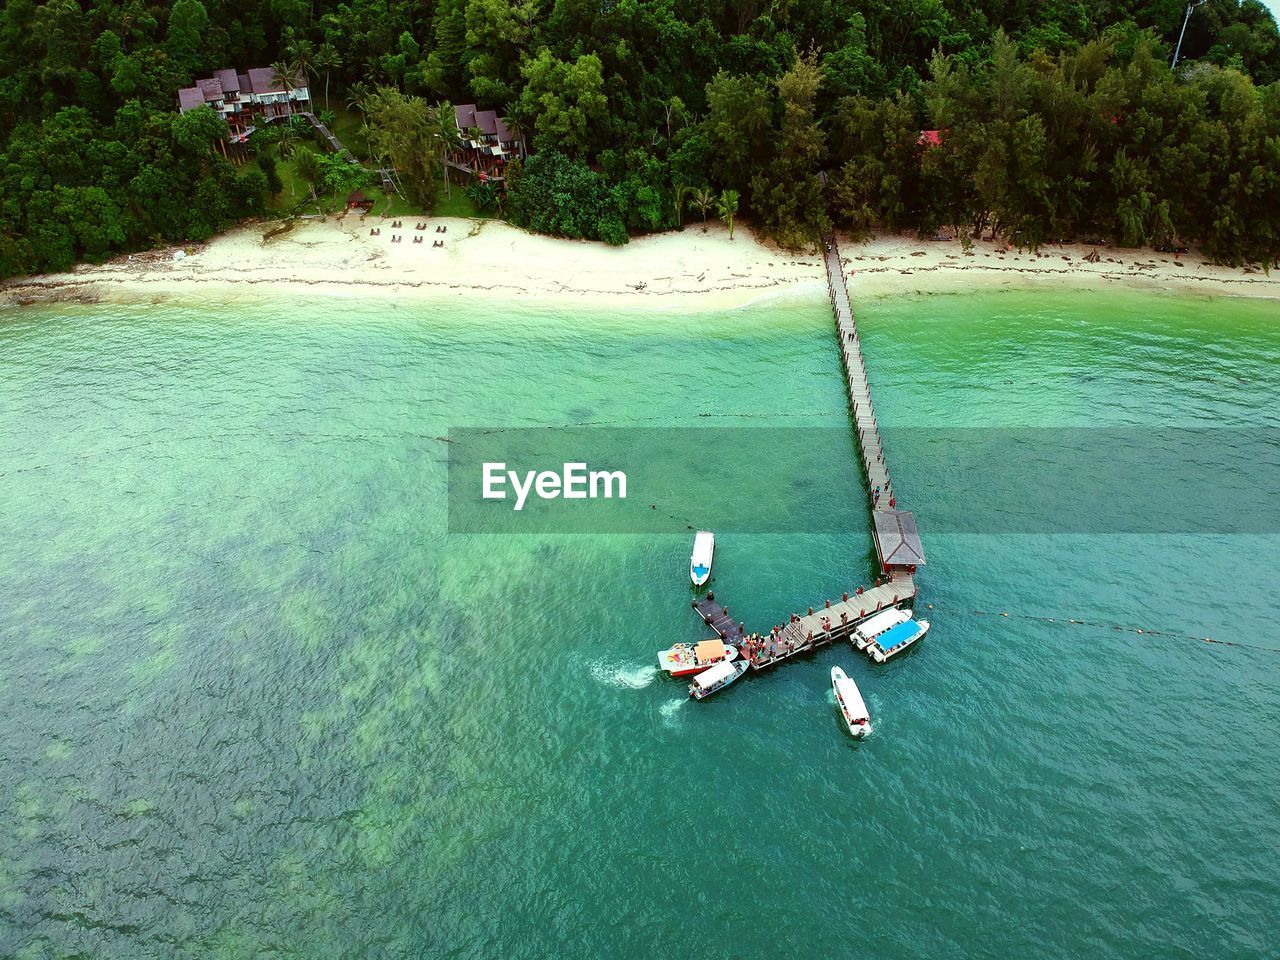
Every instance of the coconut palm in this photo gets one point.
(486, 195)
(726, 207)
(358, 95)
(702, 200)
(309, 168)
(303, 55)
(679, 191)
(287, 137)
(286, 75)
(518, 130)
(327, 58)
(448, 138)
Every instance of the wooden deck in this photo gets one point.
(806, 632)
(865, 424)
(717, 618)
(836, 619)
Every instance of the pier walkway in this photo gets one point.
(717, 618)
(897, 542)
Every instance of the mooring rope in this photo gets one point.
(1114, 627)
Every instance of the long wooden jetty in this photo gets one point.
(897, 541)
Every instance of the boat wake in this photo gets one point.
(671, 711)
(627, 677)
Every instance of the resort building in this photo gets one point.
(244, 99)
(487, 143)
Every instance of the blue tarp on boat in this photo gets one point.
(896, 636)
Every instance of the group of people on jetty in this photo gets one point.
(780, 643)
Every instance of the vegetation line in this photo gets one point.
(1022, 123)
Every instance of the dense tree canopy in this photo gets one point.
(1053, 120)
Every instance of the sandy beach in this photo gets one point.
(339, 256)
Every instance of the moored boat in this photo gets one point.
(850, 703)
(872, 627)
(716, 678)
(686, 658)
(704, 549)
(896, 639)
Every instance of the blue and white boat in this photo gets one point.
(704, 548)
(875, 625)
(896, 639)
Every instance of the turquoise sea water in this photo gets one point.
(256, 700)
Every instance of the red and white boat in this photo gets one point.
(686, 658)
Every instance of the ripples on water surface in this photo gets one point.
(254, 701)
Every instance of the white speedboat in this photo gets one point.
(893, 641)
(686, 658)
(716, 678)
(704, 548)
(872, 627)
(852, 708)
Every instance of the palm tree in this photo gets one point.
(485, 195)
(680, 191)
(286, 75)
(448, 138)
(286, 138)
(703, 200)
(327, 58)
(358, 95)
(476, 136)
(303, 53)
(309, 168)
(517, 128)
(726, 207)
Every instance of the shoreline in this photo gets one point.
(694, 268)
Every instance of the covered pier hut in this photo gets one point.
(897, 542)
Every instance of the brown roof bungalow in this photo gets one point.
(245, 99)
(486, 154)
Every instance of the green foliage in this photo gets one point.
(552, 193)
(271, 175)
(727, 208)
(1058, 119)
(72, 189)
(486, 195)
(185, 45)
(567, 99)
(786, 191)
(1040, 148)
(404, 130)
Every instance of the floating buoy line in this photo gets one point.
(1116, 628)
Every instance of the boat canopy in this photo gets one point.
(709, 678)
(852, 697)
(897, 635)
(881, 622)
(709, 650)
(703, 546)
